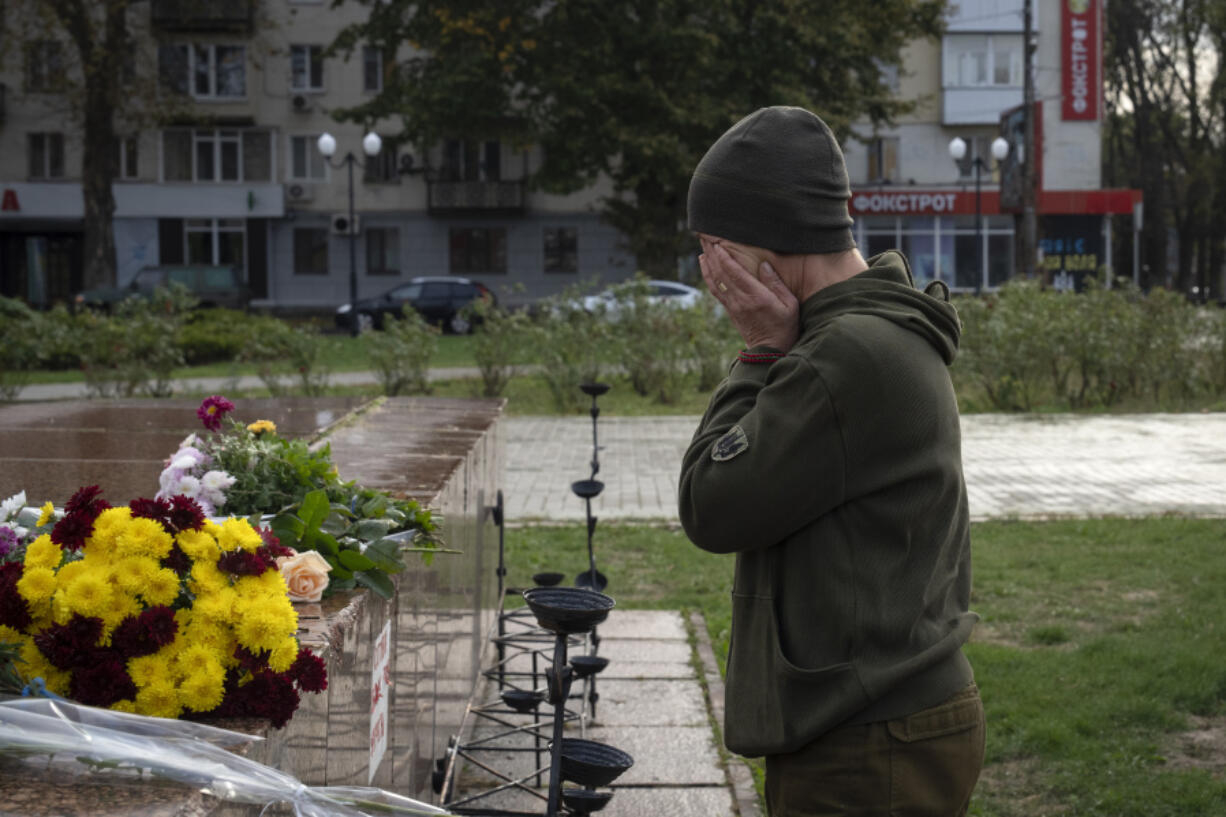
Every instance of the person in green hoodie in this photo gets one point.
(829, 461)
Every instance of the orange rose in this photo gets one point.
(306, 575)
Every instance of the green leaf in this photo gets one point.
(368, 529)
(338, 572)
(335, 524)
(385, 553)
(288, 528)
(355, 561)
(376, 581)
(323, 542)
(314, 509)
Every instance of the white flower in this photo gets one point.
(214, 498)
(216, 481)
(10, 506)
(187, 458)
(206, 507)
(188, 486)
(190, 441)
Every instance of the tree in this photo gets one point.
(633, 91)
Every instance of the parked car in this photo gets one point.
(440, 300)
(670, 293)
(213, 286)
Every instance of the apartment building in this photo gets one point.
(239, 178)
(909, 193)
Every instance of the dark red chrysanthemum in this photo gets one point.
(251, 661)
(272, 547)
(155, 509)
(178, 561)
(71, 645)
(86, 499)
(14, 612)
(185, 514)
(102, 683)
(79, 515)
(242, 563)
(212, 410)
(271, 695)
(146, 633)
(309, 671)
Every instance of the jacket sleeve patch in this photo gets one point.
(729, 445)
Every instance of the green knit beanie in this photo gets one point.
(775, 180)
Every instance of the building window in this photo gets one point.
(126, 147)
(44, 66)
(306, 67)
(561, 249)
(478, 250)
(983, 60)
(215, 241)
(372, 69)
(469, 161)
(978, 147)
(306, 163)
(207, 155)
(383, 166)
(204, 71)
(310, 251)
(883, 159)
(46, 151)
(382, 251)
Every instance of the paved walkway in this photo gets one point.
(1016, 466)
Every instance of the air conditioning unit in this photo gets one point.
(300, 103)
(297, 192)
(342, 226)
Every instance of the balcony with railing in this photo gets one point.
(193, 15)
(457, 197)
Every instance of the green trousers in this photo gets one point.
(923, 765)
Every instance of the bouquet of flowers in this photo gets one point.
(347, 535)
(154, 609)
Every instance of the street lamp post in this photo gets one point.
(957, 151)
(371, 145)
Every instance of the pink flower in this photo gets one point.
(212, 410)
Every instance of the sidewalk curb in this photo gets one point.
(740, 778)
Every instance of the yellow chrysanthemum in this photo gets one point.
(46, 514)
(283, 656)
(124, 706)
(88, 594)
(36, 584)
(159, 699)
(35, 665)
(109, 525)
(132, 573)
(42, 552)
(264, 624)
(217, 607)
(194, 658)
(161, 588)
(70, 571)
(238, 533)
(262, 427)
(203, 691)
(217, 638)
(206, 579)
(121, 607)
(150, 669)
(199, 545)
(144, 537)
(8, 635)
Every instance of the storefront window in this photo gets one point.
(920, 249)
(1000, 258)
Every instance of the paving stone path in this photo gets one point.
(1028, 467)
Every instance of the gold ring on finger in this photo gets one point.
(722, 286)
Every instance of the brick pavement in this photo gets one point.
(1027, 467)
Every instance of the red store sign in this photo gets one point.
(1081, 52)
(909, 202)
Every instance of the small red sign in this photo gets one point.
(1082, 57)
(9, 202)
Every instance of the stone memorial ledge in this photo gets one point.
(427, 641)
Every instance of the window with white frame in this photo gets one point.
(883, 159)
(46, 155)
(983, 60)
(44, 66)
(216, 155)
(128, 154)
(215, 241)
(306, 67)
(306, 163)
(205, 71)
(372, 69)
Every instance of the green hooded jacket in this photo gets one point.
(835, 475)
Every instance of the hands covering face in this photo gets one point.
(761, 307)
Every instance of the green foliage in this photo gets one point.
(651, 340)
(499, 339)
(571, 345)
(133, 351)
(713, 341)
(18, 346)
(401, 353)
(640, 104)
(215, 335)
(286, 357)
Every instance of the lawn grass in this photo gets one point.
(1099, 651)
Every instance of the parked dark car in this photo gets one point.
(439, 300)
(213, 286)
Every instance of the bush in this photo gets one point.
(651, 340)
(19, 330)
(572, 345)
(133, 351)
(284, 355)
(401, 352)
(499, 338)
(713, 340)
(216, 335)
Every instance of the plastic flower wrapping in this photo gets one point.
(154, 609)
